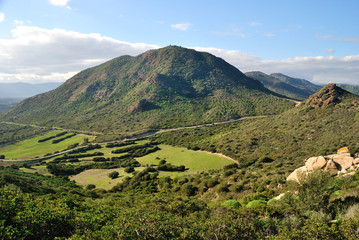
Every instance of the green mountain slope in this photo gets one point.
(350, 88)
(322, 124)
(168, 87)
(295, 88)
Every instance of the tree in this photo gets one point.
(113, 175)
(90, 186)
(129, 169)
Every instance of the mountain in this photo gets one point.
(350, 88)
(24, 90)
(325, 122)
(294, 88)
(7, 103)
(167, 87)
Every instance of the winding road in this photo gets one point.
(141, 136)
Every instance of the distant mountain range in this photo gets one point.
(167, 87)
(350, 88)
(24, 90)
(13, 93)
(295, 88)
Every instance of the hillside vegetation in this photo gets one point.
(328, 120)
(294, 88)
(162, 88)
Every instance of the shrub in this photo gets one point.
(90, 186)
(231, 204)
(256, 203)
(2, 156)
(113, 174)
(129, 169)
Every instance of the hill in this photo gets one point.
(24, 90)
(7, 103)
(168, 87)
(350, 88)
(294, 88)
(323, 123)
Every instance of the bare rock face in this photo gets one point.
(344, 161)
(315, 163)
(334, 164)
(297, 174)
(331, 168)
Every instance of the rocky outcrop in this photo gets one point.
(329, 94)
(334, 164)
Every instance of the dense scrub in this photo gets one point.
(143, 214)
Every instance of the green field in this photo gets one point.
(31, 148)
(37, 169)
(196, 161)
(100, 178)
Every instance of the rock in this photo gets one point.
(297, 174)
(279, 196)
(344, 162)
(331, 168)
(315, 163)
(348, 174)
(343, 150)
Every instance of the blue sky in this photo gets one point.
(51, 40)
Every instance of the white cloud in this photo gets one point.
(269, 34)
(18, 22)
(181, 26)
(336, 39)
(36, 54)
(2, 16)
(255, 24)
(59, 2)
(330, 51)
(320, 70)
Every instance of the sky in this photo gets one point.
(52, 40)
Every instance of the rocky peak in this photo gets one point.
(330, 93)
(334, 164)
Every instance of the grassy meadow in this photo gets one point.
(31, 148)
(195, 161)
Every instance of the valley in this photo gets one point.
(179, 144)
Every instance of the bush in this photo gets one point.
(231, 204)
(256, 203)
(129, 169)
(113, 175)
(90, 186)
(2, 156)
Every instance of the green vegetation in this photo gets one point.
(178, 184)
(294, 88)
(153, 209)
(195, 161)
(163, 88)
(10, 133)
(350, 88)
(272, 147)
(31, 147)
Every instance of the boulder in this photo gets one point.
(331, 168)
(315, 163)
(356, 161)
(297, 174)
(345, 162)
